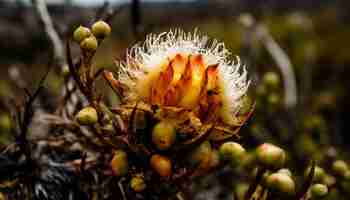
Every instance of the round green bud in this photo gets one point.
(232, 151)
(273, 99)
(241, 189)
(285, 171)
(89, 44)
(318, 191)
(328, 180)
(281, 182)
(65, 71)
(271, 79)
(101, 29)
(137, 184)
(201, 153)
(162, 165)
(87, 116)
(119, 163)
(5, 123)
(340, 168)
(81, 33)
(319, 174)
(163, 135)
(270, 156)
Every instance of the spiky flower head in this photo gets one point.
(186, 70)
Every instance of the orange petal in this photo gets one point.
(197, 67)
(179, 64)
(211, 77)
(192, 81)
(160, 85)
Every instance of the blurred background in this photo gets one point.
(297, 53)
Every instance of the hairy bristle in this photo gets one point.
(146, 57)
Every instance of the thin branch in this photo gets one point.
(283, 62)
(280, 57)
(58, 50)
(307, 183)
(254, 185)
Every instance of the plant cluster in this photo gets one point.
(181, 105)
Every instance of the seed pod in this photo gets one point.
(163, 135)
(318, 191)
(101, 29)
(119, 163)
(271, 80)
(340, 168)
(273, 99)
(202, 153)
(280, 182)
(89, 44)
(81, 33)
(138, 184)
(162, 165)
(5, 123)
(65, 71)
(319, 174)
(87, 116)
(240, 190)
(270, 156)
(231, 151)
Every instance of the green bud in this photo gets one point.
(138, 184)
(318, 191)
(119, 163)
(281, 182)
(271, 79)
(241, 189)
(270, 156)
(340, 168)
(5, 123)
(87, 116)
(328, 180)
(81, 33)
(89, 44)
(319, 174)
(101, 29)
(65, 71)
(273, 99)
(285, 171)
(232, 151)
(201, 153)
(162, 165)
(163, 135)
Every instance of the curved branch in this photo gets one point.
(58, 50)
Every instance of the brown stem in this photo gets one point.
(256, 182)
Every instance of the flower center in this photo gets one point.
(185, 81)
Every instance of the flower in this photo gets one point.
(186, 70)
